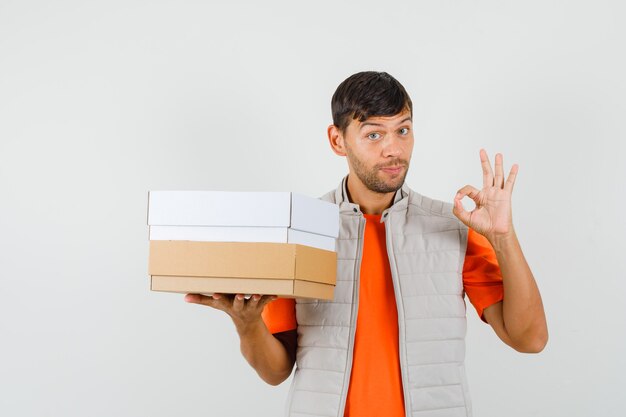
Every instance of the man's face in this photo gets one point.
(379, 150)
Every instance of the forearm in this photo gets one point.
(264, 352)
(522, 309)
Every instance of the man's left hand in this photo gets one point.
(492, 216)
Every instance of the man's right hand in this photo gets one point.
(272, 358)
(244, 313)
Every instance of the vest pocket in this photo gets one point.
(466, 394)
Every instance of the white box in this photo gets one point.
(243, 209)
(242, 234)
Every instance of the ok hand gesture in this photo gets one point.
(492, 216)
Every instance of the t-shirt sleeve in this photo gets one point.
(482, 278)
(280, 315)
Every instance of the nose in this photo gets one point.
(391, 147)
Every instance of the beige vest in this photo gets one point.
(426, 247)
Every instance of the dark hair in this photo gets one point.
(366, 94)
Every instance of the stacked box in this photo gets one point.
(242, 242)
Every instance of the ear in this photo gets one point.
(336, 140)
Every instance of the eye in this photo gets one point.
(404, 131)
(373, 136)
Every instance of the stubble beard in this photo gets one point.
(370, 177)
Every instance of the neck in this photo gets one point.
(370, 202)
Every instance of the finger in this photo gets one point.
(197, 298)
(259, 301)
(458, 209)
(498, 180)
(238, 302)
(460, 212)
(266, 299)
(469, 191)
(203, 300)
(253, 301)
(487, 173)
(510, 181)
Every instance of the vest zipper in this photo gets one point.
(400, 307)
(353, 317)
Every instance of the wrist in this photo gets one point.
(247, 329)
(502, 241)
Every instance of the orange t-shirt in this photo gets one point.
(376, 382)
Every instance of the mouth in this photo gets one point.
(393, 169)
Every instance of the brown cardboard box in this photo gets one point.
(285, 269)
(208, 285)
(242, 260)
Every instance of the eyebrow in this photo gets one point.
(379, 124)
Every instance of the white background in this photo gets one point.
(102, 101)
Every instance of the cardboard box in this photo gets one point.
(249, 209)
(207, 285)
(242, 242)
(242, 234)
(283, 269)
(277, 261)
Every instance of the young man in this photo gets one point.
(391, 342)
